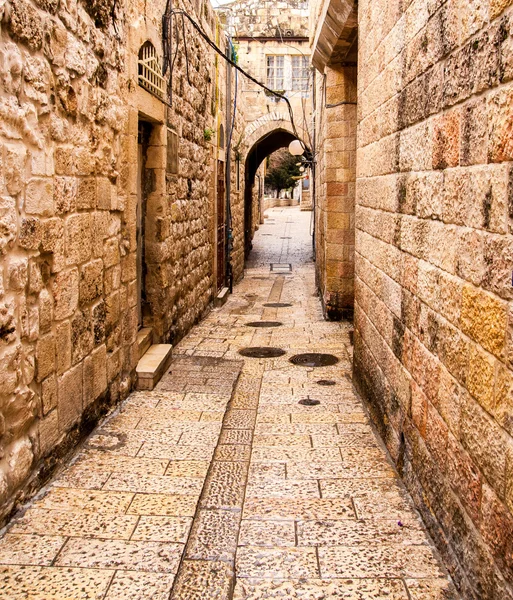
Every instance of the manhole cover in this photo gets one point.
(266, 233)
(311, 359)
(285, 238)
(259, 352)
(277, 304)
(264, 324)
(309, 402)
(326, 382)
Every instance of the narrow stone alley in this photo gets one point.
(220, 483)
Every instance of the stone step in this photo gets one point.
(221, 298)
(144, 339)
(152, 366)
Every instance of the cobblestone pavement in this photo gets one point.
(219, 484)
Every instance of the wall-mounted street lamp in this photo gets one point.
(296, 148)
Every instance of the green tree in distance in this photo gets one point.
(281, 172)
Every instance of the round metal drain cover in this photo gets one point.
(311, 359)
(326, 382)
(277, 305)
(264, 324)
(262, 352)
(309, 402)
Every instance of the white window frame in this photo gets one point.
(274, 64)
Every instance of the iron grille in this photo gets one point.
(150, 71)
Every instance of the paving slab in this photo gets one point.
(219, 484)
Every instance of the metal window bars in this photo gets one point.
(150, 71)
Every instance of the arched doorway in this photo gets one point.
(268, 143)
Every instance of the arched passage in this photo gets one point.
(266, 136)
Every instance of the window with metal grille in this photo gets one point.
(276, 72)
(300, 73)
(150, 71)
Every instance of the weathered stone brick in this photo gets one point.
(69, 397)
(91, 281)
(63, 337)
(45, 356)
(8, 229)
(484, 319)
(49, 394)
(78, 238)
(95, 375)
(25, 24)
(65, 289)
(31, 233)
(81, 335)
(446, 141)
(39, 197)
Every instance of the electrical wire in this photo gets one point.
(214, 46)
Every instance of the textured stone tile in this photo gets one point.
(283, 489)
(361, 487)
(346, 589)
(187, 468)
(297, 428)
(282, 440)
(214, 535)
(136, 585)
(328, 417)
(29, 549)
(267, 533)
(156, 450)
(82, 476)
(281, 454)
(53, 583)
(91, 501)
(378, 561)
(304, 509)
(123, 555)
(54, 522)
(129, 482)
(352, 533)
(224, 487)
(333, 470)
(276, 563)
(211, 416)
(198, 438)
(261, 471)
(203, 580)
(275, 418)
(162, 529)
(163, 504)
(114, 444)
(236, 436)
(240, 419)
(431, 589)
(346, 440)
(232, 452)
(103, 462)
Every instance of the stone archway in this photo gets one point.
(262, 137)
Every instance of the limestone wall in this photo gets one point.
(71, 118)
(434, 260)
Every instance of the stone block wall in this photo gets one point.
(335, 179)
(434, 262)
(70, 111)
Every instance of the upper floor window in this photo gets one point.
(276, 72)
(150, 71)
(300, 73)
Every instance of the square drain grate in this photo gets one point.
(281, 267)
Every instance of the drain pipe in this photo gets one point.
(313, 170)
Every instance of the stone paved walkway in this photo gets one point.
(220, 485)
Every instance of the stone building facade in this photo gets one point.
(429, 145)
(272, 46)
(113, 210)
